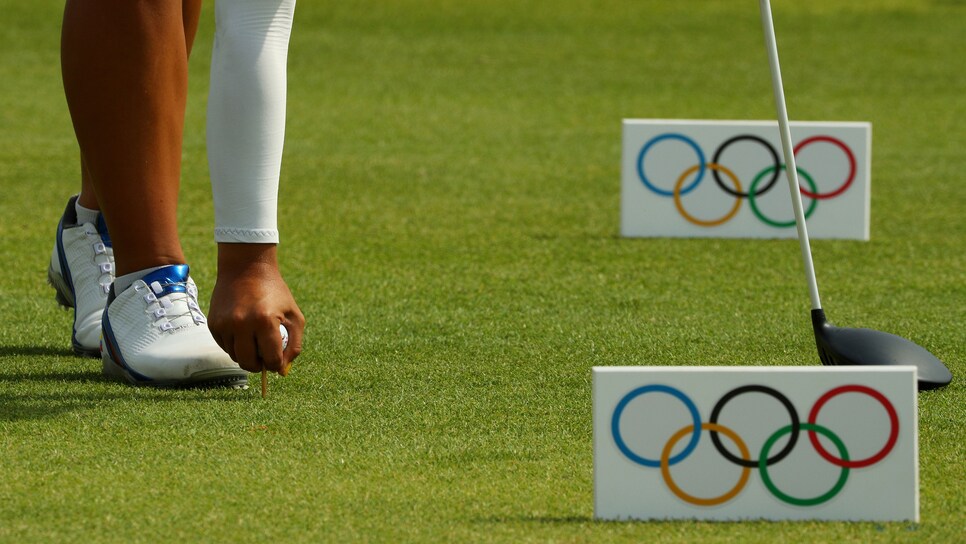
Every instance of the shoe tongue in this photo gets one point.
(170, 279)
(102, 230)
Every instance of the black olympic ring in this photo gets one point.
(768, 185)
(796, 425)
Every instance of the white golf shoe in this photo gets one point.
(156, 334)
(81, 271)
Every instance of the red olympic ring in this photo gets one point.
(848, 154)
(893, 432)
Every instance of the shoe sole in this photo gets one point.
(206, 379)
(65, 298)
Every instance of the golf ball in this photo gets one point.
(284, 331)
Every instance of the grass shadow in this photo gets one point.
(29, 392)
(46, 405)
(85, 371)
(31, 405)
(35, 351)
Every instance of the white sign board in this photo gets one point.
(745, 443)
(726, 179)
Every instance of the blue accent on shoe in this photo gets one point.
(69, 218)
(110, 343)
(69, 212)
(102, 230)
(173, 279)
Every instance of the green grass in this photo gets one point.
(450, 206)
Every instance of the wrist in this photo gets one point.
(235, 258)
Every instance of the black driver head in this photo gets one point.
(844, 346)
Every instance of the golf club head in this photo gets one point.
(845, 346)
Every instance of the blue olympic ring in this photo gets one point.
(671, 136)
(616, 431)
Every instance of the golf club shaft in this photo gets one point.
(791, 170)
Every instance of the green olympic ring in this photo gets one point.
(772, 222)
(766, 479)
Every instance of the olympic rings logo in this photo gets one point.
(765, 458)
(760, 183)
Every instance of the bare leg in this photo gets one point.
(190, 12)
(125, 70)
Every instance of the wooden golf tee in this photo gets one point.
(264, 383)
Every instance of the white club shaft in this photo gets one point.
(791, 170)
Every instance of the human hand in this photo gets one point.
(249, 302)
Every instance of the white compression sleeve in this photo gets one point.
(246, 116)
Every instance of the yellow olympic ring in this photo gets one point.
(695, 220)
(666, 456)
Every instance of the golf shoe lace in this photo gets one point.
(171, 309)
(102, 259)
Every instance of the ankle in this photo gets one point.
(85, 214)
(88, 200)
(123, 282)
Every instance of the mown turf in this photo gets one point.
(449, 209)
